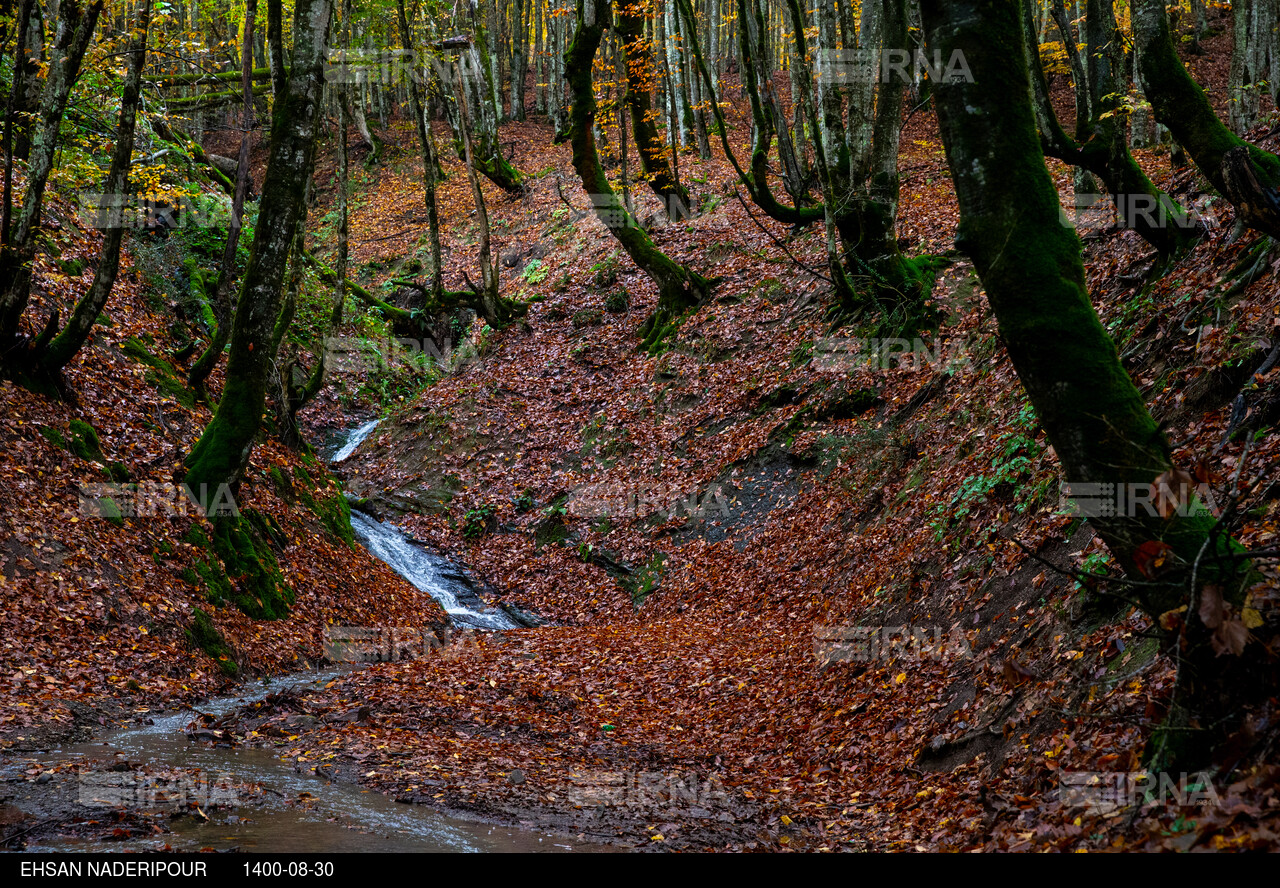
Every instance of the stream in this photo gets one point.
(249, 799)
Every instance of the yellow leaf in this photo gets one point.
(900, 678)
(1252, 619)
(786, 821)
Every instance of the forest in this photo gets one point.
(638, 425)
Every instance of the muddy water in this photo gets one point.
(254, 801)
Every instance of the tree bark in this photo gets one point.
(223, 451)
(1246, 175)
(17, 255)
(640, 69)
(1031, 268)
(116, 190)
(678, 287)
(225, 281)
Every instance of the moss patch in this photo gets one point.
(237, 564)
(161, 374)
(205, 636)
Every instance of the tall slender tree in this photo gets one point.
(222, 453)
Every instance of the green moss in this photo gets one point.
(335, 514)
(237, 564)
(205, 636)
(282, 484)
(161, 374)
(645, 581)
(53, 436)
(108, 509)
(84, 441)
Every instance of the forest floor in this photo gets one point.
(792, 600)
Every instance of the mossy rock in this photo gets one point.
(284, 487)
(205, 636)
(335, 514)
(643, 582)
(84, 441)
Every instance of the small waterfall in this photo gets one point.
(430, 573)
(354, 440)
(434, 575)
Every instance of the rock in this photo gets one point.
(228, 166)
(45, 777)
(516, 777)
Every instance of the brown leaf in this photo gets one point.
(1211, 611)
(1172, 619)
(1171, 491)
(1231, 636)
(1150, 557)
(1015, 673)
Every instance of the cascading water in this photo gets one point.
(354, 440)
(432, 574)
(292, 809)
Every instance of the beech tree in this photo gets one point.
(1091, 411)
(679, 288)
(1245, 174)
(17, 250)
(221, 454)
(1099, 145)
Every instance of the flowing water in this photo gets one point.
(354, 440)
(275, 807)
(254, 801)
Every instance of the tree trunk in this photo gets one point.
(225, 281)
(426, 148)
(678, 287)
(220, 456)
(1246, 175)
(1034, 278)
(1100, 147)
(116, 191)
(640, 68)
(74, 34)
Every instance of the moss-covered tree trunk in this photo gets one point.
(1099, 145)
(222, 452)
(1031, 268)
(74, 335)
(678, 287)
(754, 73)
(1246, 175)
(76, 25)
(486, 111)
(861, 184)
